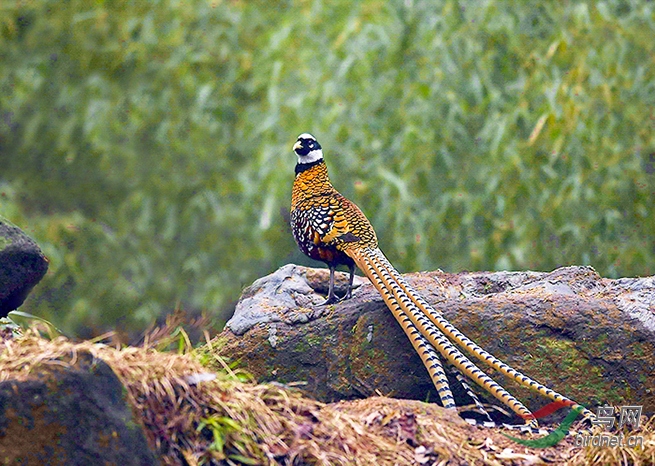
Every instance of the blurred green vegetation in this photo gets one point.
(147, 145)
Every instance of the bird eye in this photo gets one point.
(311, 145)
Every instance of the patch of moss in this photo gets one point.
(556, 358)
(598, 345)
(314, 340)
(638, 349)
(301, 347)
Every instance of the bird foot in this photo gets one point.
(348, 295)
(333, 299)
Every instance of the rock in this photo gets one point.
(22, 265)
(70, 415)
(284, 296)
(590, 338)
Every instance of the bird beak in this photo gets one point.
(297, 145)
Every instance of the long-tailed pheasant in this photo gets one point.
(330, 228)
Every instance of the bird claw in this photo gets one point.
(330, 300)
(348, 295)
(337, 299)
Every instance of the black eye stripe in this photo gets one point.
(311, 143)
(307, 145)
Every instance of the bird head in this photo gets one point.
(307, 149)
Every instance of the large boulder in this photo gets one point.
(71, 412)
(590, 338)
(22, 265)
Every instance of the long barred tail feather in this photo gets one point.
(436, 371)
(489, 422)
(469, 391)
(402, 308)
(471, 347)
(430, 358)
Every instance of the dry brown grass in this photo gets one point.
(230, 420)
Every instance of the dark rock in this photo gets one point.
(592, 339)
(70, 415)
(22, 265)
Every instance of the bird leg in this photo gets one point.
(331, 297)
(349, 292)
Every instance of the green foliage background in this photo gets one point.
(147, 145)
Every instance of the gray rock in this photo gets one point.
(590, 338)
(286, 296)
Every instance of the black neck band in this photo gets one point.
(301, 167)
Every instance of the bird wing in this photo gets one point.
(349, 225)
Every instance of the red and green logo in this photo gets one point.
(556, 435)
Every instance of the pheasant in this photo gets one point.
(330, 228)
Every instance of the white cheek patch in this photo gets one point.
(313, 156)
